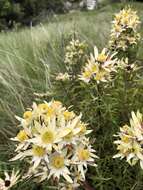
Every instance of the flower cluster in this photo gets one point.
(74, 57)
(75, 51)
(54, 141)
(9, 181)
(99, 67)
(130, 145)
(124, 32)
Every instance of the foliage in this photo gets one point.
(26, 11)
(104, 102)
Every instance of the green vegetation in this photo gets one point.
(25, 12)
(29, 56)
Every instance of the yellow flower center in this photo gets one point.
(48, 137)
(87, 74)
(22, 136)
(94, 68)
(126, 20)
(27, 115)
(83, 154)
(99, 76)
(68, 115)
(102, 57)
(38, 151)
(50, 112)
(136, 148)
(57, 161)
(34, 130)
(125, 139)
(43, 107)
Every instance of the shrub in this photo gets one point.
(26, 11)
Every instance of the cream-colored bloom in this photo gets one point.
(58, 166)
(75, 51)
(47, 136)
(38, 154)
(136, 123)
(131, 140)
(124, 30)
(99, 66)
(49, 142)
(22, 138)
(9, 181)
(84, 155)
(71, 132)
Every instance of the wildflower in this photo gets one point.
(22, 138)
(84, 155)
(131, 140)
(75, 51)
(50, 141)
(27, 115)
(69, 115)
(46, 136)
(124, 31)
(9, 181)
(136, 123)
(99, 67)
(38, 154)
(58, 167)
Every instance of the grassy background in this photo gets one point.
(25, 59)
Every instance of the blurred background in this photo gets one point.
(17, 13)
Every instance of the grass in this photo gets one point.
(26, 57)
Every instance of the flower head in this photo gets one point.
(130, 140)
(99, 67)
(75, 51)
(124, 31)
(9, 181)
(84, 155)
(50, 140)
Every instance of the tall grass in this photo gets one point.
(25, 58)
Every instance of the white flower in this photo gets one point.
(99, 66)
(70, 135)
(58, 166)
(22, 138)
(47, 136)
(136, 123)
(38, 154)
(75, 51)
(9, 181)
(49, 141)
(84, 155)
(124, 31)
(131, 140)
